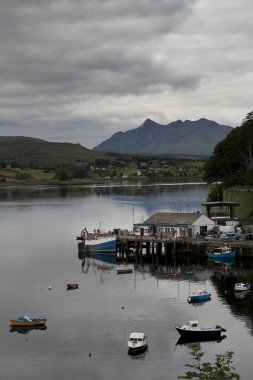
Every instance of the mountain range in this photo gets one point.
(195, 138)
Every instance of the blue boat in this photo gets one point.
(221, 253)
(192, 331)
(199, 296)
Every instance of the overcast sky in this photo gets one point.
(81, 70)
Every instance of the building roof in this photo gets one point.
(183, 218)
(220, 203)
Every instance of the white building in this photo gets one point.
(175, 224)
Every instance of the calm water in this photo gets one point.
(38, 248)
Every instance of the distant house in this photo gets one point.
(175, 224)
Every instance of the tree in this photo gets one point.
(221, 369)
(233, 155)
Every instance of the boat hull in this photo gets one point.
(197, 335)
(199, 298)
(137, 350)
(101, 246)
(33, 322)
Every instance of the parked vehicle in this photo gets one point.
(231, 236)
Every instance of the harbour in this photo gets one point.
(88, 328)
(158, 249)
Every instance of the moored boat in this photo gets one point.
(26, 321)
(98, 241)
(199, 296)
(193, 331)
(137, 343)
(242, 286)
(224, 252)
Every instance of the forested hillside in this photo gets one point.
(232, 159)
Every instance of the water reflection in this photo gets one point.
(103, 191)
(25, 330)
(190, 342)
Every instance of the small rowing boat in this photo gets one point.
(72, 286)
(26, 321)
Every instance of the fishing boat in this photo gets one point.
(199, 296)
(98, 241)
(26, 321)
(224, 252)
(137, 343)
(193, 331)
(242, 286)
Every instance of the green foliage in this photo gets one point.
(233, 155)
(221, 369)
(23, 176)
(216, 194)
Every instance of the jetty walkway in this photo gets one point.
(155, 248)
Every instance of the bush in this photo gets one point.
(221, 369)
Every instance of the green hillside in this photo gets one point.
(34, 152)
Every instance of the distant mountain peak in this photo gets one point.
(148, 123)
(176, 138)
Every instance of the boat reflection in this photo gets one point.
(226, 262)
(140, 356)
(242, 294)
(26, 329)
(198, 303)
(190, 342)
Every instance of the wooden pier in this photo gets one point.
(159, 249)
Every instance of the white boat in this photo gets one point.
(242, 286)
(193, 331)
(137, 343)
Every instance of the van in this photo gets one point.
(230, 236)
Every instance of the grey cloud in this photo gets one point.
(86, 67)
